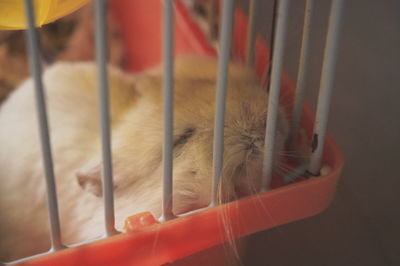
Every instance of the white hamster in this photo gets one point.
(136, 106)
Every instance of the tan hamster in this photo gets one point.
(136, 103)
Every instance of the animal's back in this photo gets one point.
(73, 114)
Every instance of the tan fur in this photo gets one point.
(136, 144)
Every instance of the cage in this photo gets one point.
(147, 240)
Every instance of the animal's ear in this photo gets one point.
(89, 178)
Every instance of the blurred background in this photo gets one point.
(361, 227)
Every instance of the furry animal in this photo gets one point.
(136, 116)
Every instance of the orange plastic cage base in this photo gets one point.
(148, 242)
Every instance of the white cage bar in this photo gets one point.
(168, 101)
(36, 70)
(251, 33)
(222, 80)
(274, 91)
(301, 76)
(101, 56)
(326, 86)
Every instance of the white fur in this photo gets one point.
(137, 146)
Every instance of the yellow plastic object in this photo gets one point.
(12, 15)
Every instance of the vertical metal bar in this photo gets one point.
(303, 68)
(35, 65)
(101, 57)
(274, 91)
(211, 20)
(271, 42)
(251, 33)
(168, 98)
(222, 82)
(326, 86)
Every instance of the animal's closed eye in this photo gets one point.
(184, 137)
